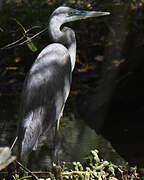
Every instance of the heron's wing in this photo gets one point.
(48, 83)
(46, 89)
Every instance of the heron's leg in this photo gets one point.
(57, 137)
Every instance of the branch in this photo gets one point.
(27, 170)
(8, 46)
(33, 36)
(14, 44)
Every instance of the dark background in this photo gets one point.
(108, 77)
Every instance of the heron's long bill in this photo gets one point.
(87, 14)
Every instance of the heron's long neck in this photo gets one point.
(66, 36)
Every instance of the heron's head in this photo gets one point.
(66, 14)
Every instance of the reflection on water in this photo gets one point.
(8, 119)
(77, 139)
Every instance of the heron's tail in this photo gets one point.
(28, 136)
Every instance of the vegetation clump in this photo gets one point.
(93, 168)
(96, 168)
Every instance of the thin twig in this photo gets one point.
(33, 37)
(11, 44)
(27, 170)
(13, 143)
(14, 44)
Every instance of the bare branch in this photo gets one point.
(11, 45)
(14, 44)
(26, 169)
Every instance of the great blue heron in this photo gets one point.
(47, 84)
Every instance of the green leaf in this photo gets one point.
(31, 45)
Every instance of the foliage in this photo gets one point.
(17, 177)
(26, 34)
(93, 168)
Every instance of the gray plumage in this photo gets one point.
(47, 84)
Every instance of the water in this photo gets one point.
(8, 119)
(77, 139)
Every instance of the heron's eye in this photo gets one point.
(70, 13)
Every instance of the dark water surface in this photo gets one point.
(77, 139)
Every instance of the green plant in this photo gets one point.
(27, 35)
